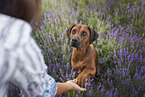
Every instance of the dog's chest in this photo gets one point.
(79, 64)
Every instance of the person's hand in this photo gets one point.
(73, 85)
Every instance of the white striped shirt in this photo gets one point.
(21, 61)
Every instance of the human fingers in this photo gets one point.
(74, 80)
(78, 88)
(75, 86)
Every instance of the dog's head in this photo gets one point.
(81, 35)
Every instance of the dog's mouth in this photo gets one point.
(76, 45)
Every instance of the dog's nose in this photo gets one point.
(74, 40)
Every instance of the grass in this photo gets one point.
(121, 44)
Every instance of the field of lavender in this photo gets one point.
(121, 44)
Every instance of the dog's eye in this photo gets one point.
(84, 33)
(73, 31)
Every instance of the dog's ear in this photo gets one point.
(68, 31)
(93, 35)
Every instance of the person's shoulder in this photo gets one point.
(6, 19)
(15, 32)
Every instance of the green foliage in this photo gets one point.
(120, 25)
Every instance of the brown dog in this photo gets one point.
(84, 56)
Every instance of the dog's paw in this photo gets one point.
(81, 80)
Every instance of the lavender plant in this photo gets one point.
(121, 44)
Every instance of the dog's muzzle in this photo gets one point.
(75, 42)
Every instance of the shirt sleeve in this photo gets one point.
(31, 73)
(50, 87)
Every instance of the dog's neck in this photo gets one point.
(80, 53)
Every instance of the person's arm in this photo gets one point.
(69, 85)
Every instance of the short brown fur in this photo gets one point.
(84, 56)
